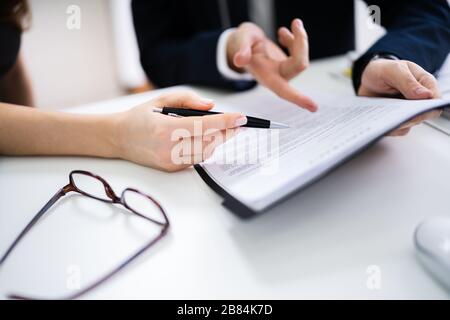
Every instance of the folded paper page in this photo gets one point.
(258, 168)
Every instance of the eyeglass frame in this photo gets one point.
(114, 199)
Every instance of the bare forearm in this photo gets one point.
(138, 135)
(25, 131)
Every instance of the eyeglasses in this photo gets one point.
(95, 187)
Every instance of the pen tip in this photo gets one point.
(277, 125)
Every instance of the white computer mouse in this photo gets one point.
(432, 240)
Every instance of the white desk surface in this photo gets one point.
(318, 244)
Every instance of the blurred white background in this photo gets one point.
(100, 61)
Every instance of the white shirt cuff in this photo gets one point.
(222, 60)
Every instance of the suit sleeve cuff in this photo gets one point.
(222, 60)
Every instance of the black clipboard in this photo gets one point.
(245, 212)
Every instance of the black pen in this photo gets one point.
(251, 123)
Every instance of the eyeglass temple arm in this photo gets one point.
(118, 268)
(106, 277)
(36, 218)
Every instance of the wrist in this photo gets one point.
(363, 62)
(115, 134)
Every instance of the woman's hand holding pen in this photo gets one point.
(151, 139)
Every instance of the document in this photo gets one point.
(258, 168)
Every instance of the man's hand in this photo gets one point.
(249, 49)
(393, 78)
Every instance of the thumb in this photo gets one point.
(243, 56)
(245, 37)
(425, 78)
(406, 83)
(420, 92)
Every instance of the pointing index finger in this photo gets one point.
(286, 91)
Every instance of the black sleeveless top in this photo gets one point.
(9, 47)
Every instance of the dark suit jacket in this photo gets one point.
(178, 38)
(10, 44)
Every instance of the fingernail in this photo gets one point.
(206, 101)
(242, 121)
(420, 90)
(312, 107)
(299, 23)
